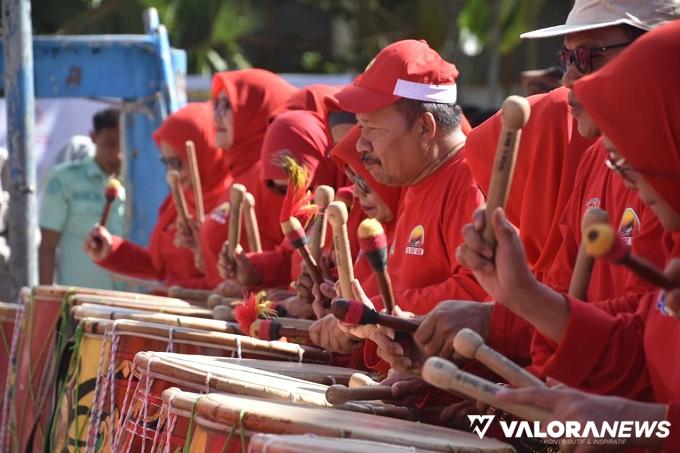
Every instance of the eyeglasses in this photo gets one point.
(582, 57)
(618, 164)
(359, 182)
(174, 163)
(221, 106)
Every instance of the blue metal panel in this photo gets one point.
(121, 66)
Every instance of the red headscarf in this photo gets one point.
(548, 155)
(253, 95)
(635, 100)
(301, 134)
(308, 98)
(192, 122)
(345, 153)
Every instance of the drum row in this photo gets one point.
(91, 370)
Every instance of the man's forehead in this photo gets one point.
(599, 37)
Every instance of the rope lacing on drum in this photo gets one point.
(171, 340)
(10, 381)
(97, 398)
(242, 432)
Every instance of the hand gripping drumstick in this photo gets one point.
(337, 217)
(339, 394)
(295, 233)
(323, 196)
(373, 243)
(583, 266)
(355, 313)
(178, 197)
(195, 180)
(514, 115)
(447, 376)
(603, 242)
(238, 192)
(272, 330)
(250, 219)
(470, 344)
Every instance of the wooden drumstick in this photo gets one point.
(295, 233)
(603, 242)
(337, 217)
(339, 394)
(470, 344)
(178, 197)
(195, 180)
(447, 376)
(113, 188)
(272, 330)
(373, 243)
(361, 380)
(355, 313)
(238, 192)
(583, 266)
(323, 196)
(200, 295)
(515, 113)
(250, 219)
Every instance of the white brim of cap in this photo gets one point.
(561, 30)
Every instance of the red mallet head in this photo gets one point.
(353, 312)
(373, 243)
(294, 232)
(113, 188)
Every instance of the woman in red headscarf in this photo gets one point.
(244, 101)
(635, 101)
(303, 136)
(163, 260)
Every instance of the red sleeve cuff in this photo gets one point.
(586, 338)
(372, 361)
(509, 334)
(129, 259)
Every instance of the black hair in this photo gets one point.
(633, 32)
(447, 116)
(105, 119)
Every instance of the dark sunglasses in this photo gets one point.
(582, 57)
(174, 163)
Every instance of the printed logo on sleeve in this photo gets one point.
(593, 203)
(629, 225)
(415, 241)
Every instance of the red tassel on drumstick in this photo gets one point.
(355, 313)
(515, 113)
(583, 266)
(195, 181)
(602, 241)
(373, 244)
(254, 307)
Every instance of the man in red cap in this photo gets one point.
(405, 103)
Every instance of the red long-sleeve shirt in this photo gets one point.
(422, 255)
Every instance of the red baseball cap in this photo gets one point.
(405, 69)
